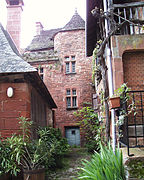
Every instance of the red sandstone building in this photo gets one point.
(59, 56)
(22, 92)
(124, 55)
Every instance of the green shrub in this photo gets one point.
(8, 162)
(20, 150)
(104, 166)
(91, 128)
(57, 145)
(136, 168)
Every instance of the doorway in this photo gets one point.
(73, 135)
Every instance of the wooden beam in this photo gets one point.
(133, 4)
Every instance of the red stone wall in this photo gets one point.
(14, 107)
(71, 43)
(14, 23)
(119, 46)
(133, 63)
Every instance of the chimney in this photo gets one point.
(39, 28)
(14, 10)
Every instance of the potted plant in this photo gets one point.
(114, 102)
(27, 153)
(120, 94)
(31, 156)
(122, 97)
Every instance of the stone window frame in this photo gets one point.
(70, 64)
(71, 98)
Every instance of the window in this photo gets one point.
(73, 57)
(73, 67)
(67, 68)
(73, 132)
(68, 91)
(71, 98)
(70, 64)
(66, 58)
(41, 72)
(16, 2)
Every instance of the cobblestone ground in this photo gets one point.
(73, 162)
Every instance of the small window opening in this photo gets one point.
(14, 2)
(73, 132)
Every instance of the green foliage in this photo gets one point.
(90, 126)
(104, 166)
(136, 168)
(121, 90)
(57, 145)
(7, 159)
(25, 125)
(12, 150)
(19, 150)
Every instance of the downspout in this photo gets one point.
(110, 75)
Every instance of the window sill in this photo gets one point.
(70, 73)
(71, 108)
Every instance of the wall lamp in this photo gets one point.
(10, 92)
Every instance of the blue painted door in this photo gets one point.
(73, 135)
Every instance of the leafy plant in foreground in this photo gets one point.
(58, 145)
(104, 166)
(20, 150)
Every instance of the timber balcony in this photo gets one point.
(133, 13)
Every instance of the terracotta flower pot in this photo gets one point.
(37, 174)
(114, 102)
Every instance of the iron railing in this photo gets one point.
(133, 126)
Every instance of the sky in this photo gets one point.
(51, 13)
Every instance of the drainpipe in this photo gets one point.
(110, 76)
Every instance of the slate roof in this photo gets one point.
(43, 41)
(46, 39)
(75, 23)
(10, 60)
